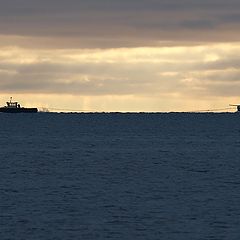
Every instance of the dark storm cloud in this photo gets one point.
(121, 23)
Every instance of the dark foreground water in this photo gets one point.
(119, 176)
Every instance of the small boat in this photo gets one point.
(14, 107)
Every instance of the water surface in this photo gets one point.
(119, 176)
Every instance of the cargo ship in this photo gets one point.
(15, 107)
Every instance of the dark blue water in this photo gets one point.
(119, 176)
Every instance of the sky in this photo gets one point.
(128, 55)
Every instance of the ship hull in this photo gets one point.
(18, 110)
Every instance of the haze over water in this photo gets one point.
(119, 176)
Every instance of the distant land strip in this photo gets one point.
(66, 109)
(46, 109)
(214, 110)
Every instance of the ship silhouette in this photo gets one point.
(15, 107)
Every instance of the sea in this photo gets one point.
(120, 176)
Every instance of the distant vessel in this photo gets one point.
(14, 107)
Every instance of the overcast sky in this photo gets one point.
(128, 55)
